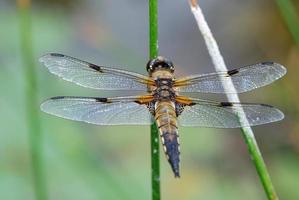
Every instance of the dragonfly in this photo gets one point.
(160, 100)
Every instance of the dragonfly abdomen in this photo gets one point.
(165, 116)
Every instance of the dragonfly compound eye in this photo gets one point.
(159, 63)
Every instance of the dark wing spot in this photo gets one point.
(232, 72)
(56, 54)
(226, 104)
(95, 67)
(268, 63)
(179, 108)
(137, 101)
(59, 97)
(102, 100)
(266, 105)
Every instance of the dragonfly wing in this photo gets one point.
(244, 79)
(100, 111)
(92, 76)
(224, 114)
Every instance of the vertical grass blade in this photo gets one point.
(32, 112)
(153, 53)
(247, 132)
(290, 16)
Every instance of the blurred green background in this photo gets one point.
(82, 161)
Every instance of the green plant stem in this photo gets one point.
(290, 16)
(32, 112)
(155, 152)
(153, 28)
(155, 162)
(259, 163)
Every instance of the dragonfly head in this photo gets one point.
(159, 63)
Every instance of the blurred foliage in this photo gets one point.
(31, 92)
(93, 162)
(291, 17)
(60, 3)
(55, 4)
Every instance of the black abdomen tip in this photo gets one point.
(177, 174)
(171, 146)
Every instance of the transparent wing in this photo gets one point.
(92, 76)
(100, 111)
(244, 79)
(224, 114)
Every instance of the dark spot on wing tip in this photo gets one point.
(232, 72)
(59, 97)
(268, 63)
(267, 105)
(103, 100)
(95, 67)
(57, 54)
(226, 104)
(191, 104)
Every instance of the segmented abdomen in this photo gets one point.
(166, 119)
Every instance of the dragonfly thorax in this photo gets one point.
(164, 90)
